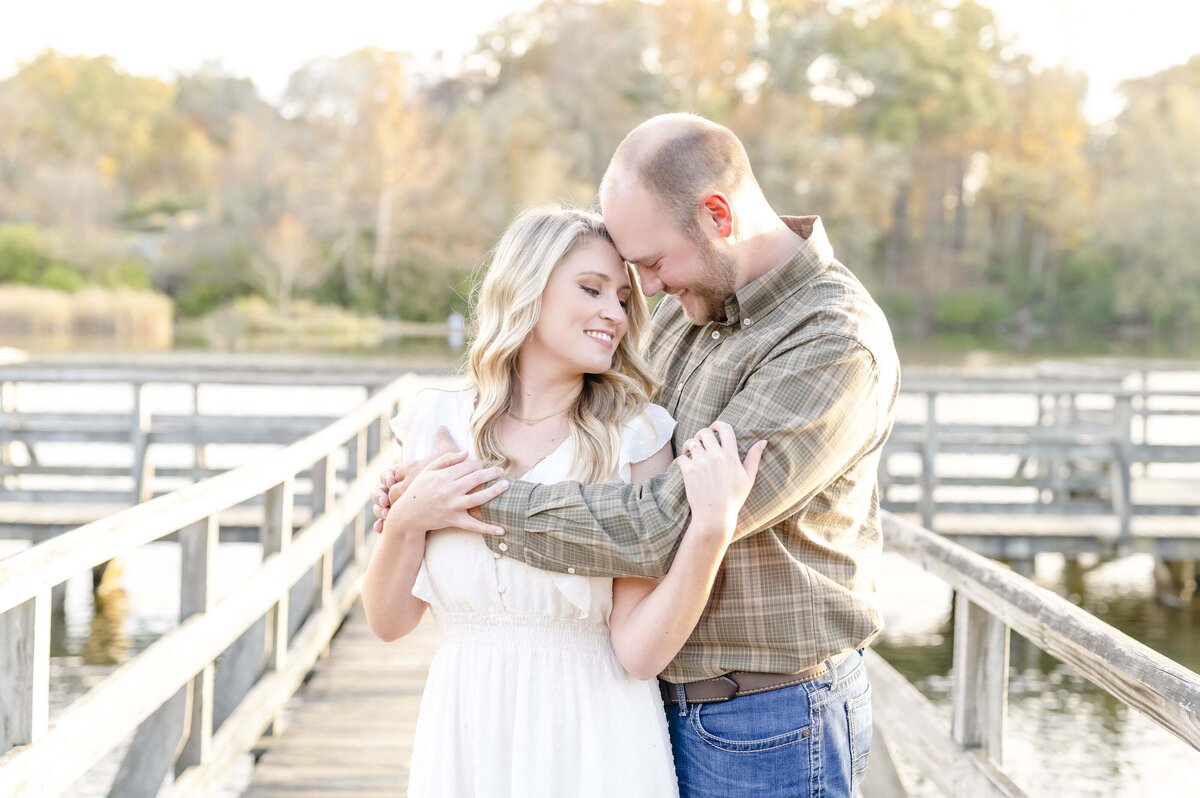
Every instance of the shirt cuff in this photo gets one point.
(509, 511)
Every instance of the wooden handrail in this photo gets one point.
(58, 559)
(167, 690)
(991, 600)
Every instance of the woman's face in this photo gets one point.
(583, 311)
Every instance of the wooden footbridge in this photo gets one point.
(266, 670)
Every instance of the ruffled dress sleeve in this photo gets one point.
(642, 436)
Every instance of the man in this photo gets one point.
(764, 329)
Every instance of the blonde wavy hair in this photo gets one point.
(508, 303)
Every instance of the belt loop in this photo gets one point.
(829, 666)
(681, 697)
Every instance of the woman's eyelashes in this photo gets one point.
(594, 293)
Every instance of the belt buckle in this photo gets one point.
(733, 685)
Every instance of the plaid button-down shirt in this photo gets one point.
(804, 359)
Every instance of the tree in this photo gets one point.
(287, 260)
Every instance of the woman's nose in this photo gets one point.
(613, 311)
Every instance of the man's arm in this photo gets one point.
(817, 404)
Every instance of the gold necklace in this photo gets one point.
(532, 421)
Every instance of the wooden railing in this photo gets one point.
(170, 694)
(1082, 447)
(990, 600)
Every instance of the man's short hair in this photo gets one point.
(680, 165)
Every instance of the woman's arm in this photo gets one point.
(434, 500)
(652, 618)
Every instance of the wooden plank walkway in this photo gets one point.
(349, 731)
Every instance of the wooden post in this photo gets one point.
(980, 678)
(323, 474)
(200, 449)
(928, 456)
(198, 549)
(179, 733)
(139, 439)
(25, 671)
(1063, 411)
(277, 539)
(358, 456)
(1122, 473)
(8, 404)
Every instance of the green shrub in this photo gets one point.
(124, 274)
(975, 310)
(1087, 292)
(25, 259)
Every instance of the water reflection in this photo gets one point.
(108, 643)
(1065, 736)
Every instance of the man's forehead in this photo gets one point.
(633, 220)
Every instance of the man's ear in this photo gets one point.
(716, 214)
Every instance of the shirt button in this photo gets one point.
(679, 387)
(716, 335)
(747, 322)
(570, 570)
(503, 547)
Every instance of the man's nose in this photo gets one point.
(651, 285)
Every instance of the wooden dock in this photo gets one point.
(264, 668)
(350, 730)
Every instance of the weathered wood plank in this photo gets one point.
(1164, 691)
(25, 670)
(328, 748)
(980, 679)
(914, 728)
(140, 686)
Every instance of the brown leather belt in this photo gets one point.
(736, 683)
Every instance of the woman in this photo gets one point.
(544, 685)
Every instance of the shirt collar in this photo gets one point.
(757, 298)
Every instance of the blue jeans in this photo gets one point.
(811, 739)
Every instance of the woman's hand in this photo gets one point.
(716, 480)
(442, 495)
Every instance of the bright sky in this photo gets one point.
(268, 39)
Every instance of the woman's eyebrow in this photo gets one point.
(605, 278)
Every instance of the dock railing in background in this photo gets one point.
(990, 600)
(1078, 456)
(137, 429)
(169, 696)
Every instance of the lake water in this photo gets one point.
(1065, 737)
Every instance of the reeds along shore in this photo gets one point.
(142, 319)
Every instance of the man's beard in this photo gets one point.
(718, 284)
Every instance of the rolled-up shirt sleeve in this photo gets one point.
(816, 403)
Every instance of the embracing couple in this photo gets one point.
(650, 542)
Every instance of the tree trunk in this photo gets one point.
(894, 259)
(383, 235)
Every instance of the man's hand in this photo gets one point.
(441, 496)
(394, 481)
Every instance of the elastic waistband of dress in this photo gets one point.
(524, 632)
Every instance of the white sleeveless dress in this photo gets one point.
(525, 698)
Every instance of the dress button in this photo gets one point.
(501, 588)
(495, 555)
(570, 570)
(503, 547)
(716, 335)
